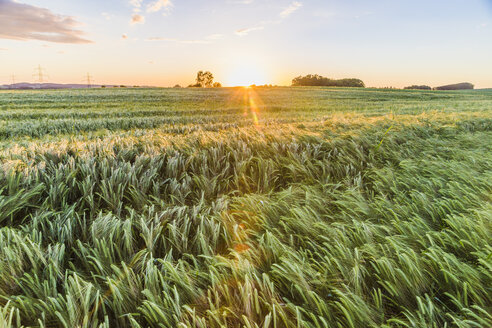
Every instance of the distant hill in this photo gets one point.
(33, 86)
(29, 86)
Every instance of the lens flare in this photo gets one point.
(252, 104)
(249, 102)
(254, 110)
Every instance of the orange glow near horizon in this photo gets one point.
(245, 72)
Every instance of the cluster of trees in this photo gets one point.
(458, 86)
(205, 80)
(418, 87)
(318, 80)
(262, 86)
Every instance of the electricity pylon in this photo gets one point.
(12, 81)
(40, 75)
(88, 78)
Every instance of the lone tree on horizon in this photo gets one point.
(204, 79)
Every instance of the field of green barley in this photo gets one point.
(250, 208)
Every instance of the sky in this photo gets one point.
(165, 42)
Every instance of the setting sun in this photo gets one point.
(246, 73)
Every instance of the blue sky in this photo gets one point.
(385, 43)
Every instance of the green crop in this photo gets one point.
(314, 207)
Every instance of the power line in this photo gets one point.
(40, 75)
(12, 81)
(89, 79)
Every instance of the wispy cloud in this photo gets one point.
(178, 40)
(3, 49)
(194, 41)
(137, 19)
(158, 5)
(157, 38)
(20, 21)
(136, 4)
(206, 40)
(152, 7)
(215, 37)
(107, 16)
(242, 2)
(124, 36)
(364, 14)
(294, 6)
(324, 14)
(246, 31)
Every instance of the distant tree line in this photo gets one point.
(263, 86)
(205, 80)
(457, 86)
(318, 80)
(418, 87)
